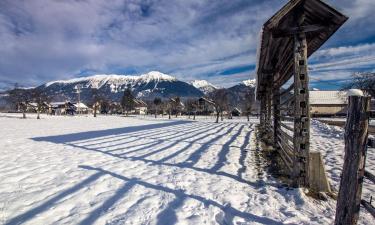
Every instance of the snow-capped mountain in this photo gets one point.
(146, 86)
(203, 86)
(250, 82)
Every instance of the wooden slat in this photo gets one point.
(285, 135)
(287, 127)
(371, 143)
(287, 118)
(290, 98)
(287, 90)
(370, 176)
(287, 148)
(368, 207)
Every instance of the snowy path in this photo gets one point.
(116, 170)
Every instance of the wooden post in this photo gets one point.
(301, 139)
(356, 132)
(276, 115)
(262, 117)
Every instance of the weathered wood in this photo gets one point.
(356, 132)
(277, 33)
(287, 118)
(370, 176)
(301, 140)
(285, 91)
(276, 114)
(368, 207)
(287, 127)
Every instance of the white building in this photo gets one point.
(328, 103)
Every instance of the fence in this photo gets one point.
(354, 172)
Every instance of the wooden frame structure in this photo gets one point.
(288, 38)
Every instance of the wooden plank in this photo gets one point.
(370, 176)
(287, 127)
(349, 197)
(285, 135)
(285, 91)
(368, 207)
(290, 98)
(287, 118)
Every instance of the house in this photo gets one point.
(61, 108)
(140, 107)
(81, 108)
(236, 112)
(328, 103)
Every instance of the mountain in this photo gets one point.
(204, 86)
(237, 93)
(146, 86)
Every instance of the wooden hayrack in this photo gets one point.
(288, 38)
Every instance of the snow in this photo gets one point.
(204, 86)
(201, 83)
(97, 81)
(141, 170)
(328, 97)
(250, 82)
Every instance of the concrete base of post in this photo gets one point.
(318, 180)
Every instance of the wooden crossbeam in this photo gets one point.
(279, 33)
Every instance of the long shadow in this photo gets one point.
(94, 215)
(213, 130)
(225, 150)
(244, 152)
(101, 133)
(228, 210)
(24, 217)
(185, 137)
(195, 156)
(143, 132)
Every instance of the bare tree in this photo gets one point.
(219, 100)
(175, 104)
(364, 81)
(41, 99)
(248, 102)
(21, 98)
(192, 107)
(97, 100)
(157, 103)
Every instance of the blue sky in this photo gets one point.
(44, 40)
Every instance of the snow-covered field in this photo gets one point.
(117, 170)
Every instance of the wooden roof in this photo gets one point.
(275, 55)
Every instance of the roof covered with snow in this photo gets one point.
(328, 98)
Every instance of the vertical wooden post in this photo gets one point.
(262, 117)
(356, 132)
(276, 115)
(301, 139)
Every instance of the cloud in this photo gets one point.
(192, 39)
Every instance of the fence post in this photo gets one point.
(356, 132)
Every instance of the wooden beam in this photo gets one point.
(301, 142)
(280, 33)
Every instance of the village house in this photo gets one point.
(328, 103)
(140, 107)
